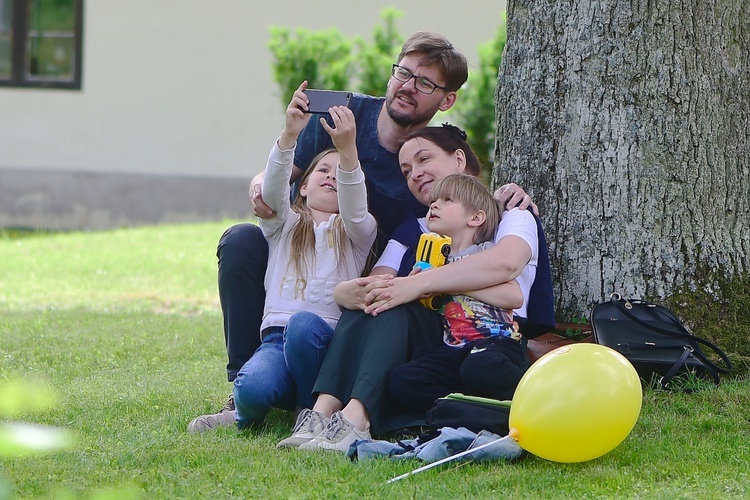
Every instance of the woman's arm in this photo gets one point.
(494, 266)
(517, 244)
(351, 294)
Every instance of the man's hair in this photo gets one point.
(449, 138)
(474, 196)
(436, 49)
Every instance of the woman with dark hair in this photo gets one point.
(374, 335)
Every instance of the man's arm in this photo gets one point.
(512, 195)
(260, 209)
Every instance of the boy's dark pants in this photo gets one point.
(490, 368)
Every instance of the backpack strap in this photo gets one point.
(625, 306)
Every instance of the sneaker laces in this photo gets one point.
(336, 427)
(229, 405)
(304, 421)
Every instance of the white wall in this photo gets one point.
(184, 87)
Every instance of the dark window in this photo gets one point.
(40, 43)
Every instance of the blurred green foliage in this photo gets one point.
(323, 58)
(373, 61)
(328, 60)
(476, 109)
(22, 397)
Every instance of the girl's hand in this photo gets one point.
(344, 135)
(295, 118)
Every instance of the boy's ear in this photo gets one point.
(478, 218)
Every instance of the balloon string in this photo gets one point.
(444, 460)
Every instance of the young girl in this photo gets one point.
(320, 240)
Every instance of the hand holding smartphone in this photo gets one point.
(320, 101)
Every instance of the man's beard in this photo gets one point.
(407, 120)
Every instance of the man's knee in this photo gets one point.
(241, 239)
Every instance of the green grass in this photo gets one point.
(125, 327)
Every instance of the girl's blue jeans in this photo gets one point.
(282, 371)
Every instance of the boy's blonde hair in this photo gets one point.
(474, 196)
(302, 249)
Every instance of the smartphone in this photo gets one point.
(322, 100)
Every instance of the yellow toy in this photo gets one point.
(432, 251)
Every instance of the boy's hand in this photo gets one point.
(344, 135)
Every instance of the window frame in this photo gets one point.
(20, 45)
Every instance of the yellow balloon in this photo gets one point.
(576, 403)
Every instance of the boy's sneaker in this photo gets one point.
(310, 424)
(337, 436)
(215, 420)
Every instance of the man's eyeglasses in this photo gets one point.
(421, 83)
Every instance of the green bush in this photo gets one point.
(323, 58)
(476, 109)
(373, 67)
(328, 60)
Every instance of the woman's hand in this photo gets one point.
(351, 294)
(397, 292)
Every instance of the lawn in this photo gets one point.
(124, 327)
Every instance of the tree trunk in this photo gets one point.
(629, 123)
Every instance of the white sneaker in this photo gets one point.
(337, 436)
(309, 425)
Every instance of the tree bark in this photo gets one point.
(629, 123)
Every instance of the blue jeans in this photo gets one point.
(282, 371)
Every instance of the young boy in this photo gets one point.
(482, 353)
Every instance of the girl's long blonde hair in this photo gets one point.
(302, 249)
